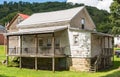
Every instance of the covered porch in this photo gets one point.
(39, 45)
(102, 51)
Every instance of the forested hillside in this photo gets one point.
(9, 10)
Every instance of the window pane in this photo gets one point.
(49, 42)
(41, 42)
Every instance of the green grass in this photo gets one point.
(17, 72)
(116, 48)
(2, 53)
(2, 49)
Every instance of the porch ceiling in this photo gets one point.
(37, 30)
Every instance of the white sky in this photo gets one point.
(104, 4)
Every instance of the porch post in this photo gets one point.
(7, 52)
(104, 52)
(108, 44)
(36, 42)
(108, 52)
(113, 49)
(53, 48)
(20, 63)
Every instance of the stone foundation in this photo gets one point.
(79, 64)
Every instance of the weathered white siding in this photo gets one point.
(83, 49)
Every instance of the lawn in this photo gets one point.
(17, 72)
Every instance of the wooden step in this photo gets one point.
(92, 69)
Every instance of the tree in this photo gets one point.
(115, 16)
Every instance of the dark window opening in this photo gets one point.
(76, 40)
(83, 23)
(57, 43)
(40, 42)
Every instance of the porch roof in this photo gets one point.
(37, 30)
(102, 34)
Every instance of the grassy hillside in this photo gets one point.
(16, 72)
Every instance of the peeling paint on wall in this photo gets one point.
(84, 46)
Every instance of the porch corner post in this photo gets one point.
(7, 51)
(53, 48)
(20, 63)
(36, 41)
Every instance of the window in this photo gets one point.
(75, 40)
(49, 42)
(83, 23)
(19, 20)
(57, 42)
(40, 42)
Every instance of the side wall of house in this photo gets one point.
(80, 45)
(82, 48)
(13, 26)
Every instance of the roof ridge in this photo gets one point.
(61, 10)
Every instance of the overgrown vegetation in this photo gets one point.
(9, 10)
(17, 72)
(115, 17)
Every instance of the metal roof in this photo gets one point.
(102, 34)
(37, 30)
(49, 17)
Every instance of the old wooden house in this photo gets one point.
(64, 39)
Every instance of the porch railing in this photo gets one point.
(107, 52)
(34, 51)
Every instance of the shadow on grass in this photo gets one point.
(6, 76)
(114, 74)
(115, 66)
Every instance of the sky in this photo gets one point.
(1, 1)
(104, 4)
